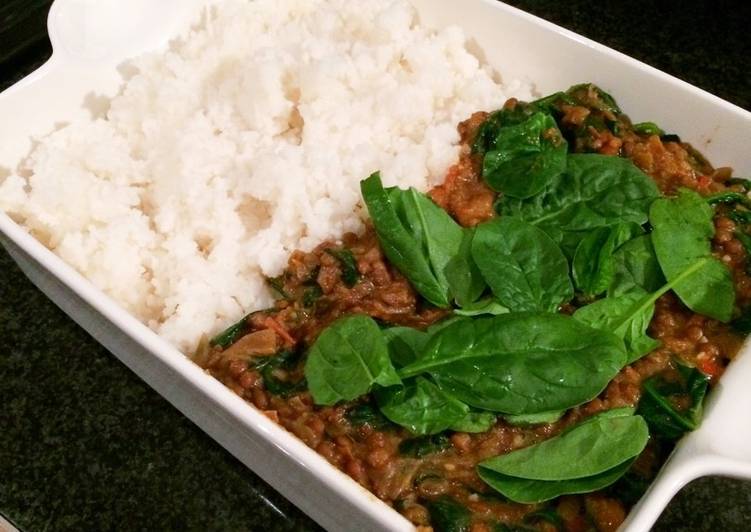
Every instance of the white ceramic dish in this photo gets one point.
(92, 37)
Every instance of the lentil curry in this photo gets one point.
(444, 448)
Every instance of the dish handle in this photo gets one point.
(720, 446)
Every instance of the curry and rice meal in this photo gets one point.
(515, 345)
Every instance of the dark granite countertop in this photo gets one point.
(85, 445)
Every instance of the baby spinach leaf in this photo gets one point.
(648, 128)
(347, 359)
(487, 305)
(594, 265)
(545, 515)
(628, 317)
(464, 278)
(404, 344)
(475, 422)
(742, 181)
(534, 419)
(524, 268)
(417, 236)
(268, 366)
(367, 414)
(598, 443)
(420, 406)
(590, 95)
(527, 491)
(594, 191)
(424, 445)
(730, 198)
(742, 324)
(447, 515)
(521, 363)
(636, 268)
(657, 404)
(231, 334)
(525, 157)
(350, 273)
(682, 233)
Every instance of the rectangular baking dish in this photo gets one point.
(92, 37)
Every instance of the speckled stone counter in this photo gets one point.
(85, 445)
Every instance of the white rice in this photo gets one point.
(247, 140)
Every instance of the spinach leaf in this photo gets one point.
(486, 305)
(231, 334)
(521, 363)
(604, 446)
(595, 191)
(269, 366)
(475, 422)
(742, 324)
(277, 286)
(424, 445)
(657, 404)
(346, 360)
(464, 278)
(367, 414)
(420, 406)
(311, 295)
(598, 443)
(447, 515)
(594, 265)
(636, 268)
(525, 157)
(545, 515)
(628, 317)
(534, 419)
(404, 344)
(682, 233)
(524, 268)
(417, 236)
(350, 273)
(745, 240)
(592, 96)
(648, 128)
(730, 197)
(742, 181)
(527, 491)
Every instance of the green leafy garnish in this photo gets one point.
(526, 420)
(417, 236)
(350, 273)
(231, 334)
(269, 366)
(463, 275)
(347, 359)
(595, 191)
(658, 402)
(628, 317)
(475, 422)
(366, 414)
(594, 263)
(524, 268)
(682, 234)
(420, 406)
(447, 515)
(648, 128)
(604, 447)
(424, 445)
(521, 363)
(524, 158)
(636, 268)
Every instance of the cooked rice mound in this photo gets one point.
(243, 142)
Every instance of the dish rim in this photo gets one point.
(252, 419)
